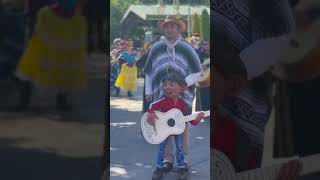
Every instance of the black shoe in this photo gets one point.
(157, 174)
(183, 173)
(167, 166)
(117, 91)
(24, 96)
(186, 167)
(130, 94)
(61, 102)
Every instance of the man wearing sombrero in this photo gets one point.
(173, 54)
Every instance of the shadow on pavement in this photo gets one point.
(17, 163)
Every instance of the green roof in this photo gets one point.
(147, 12)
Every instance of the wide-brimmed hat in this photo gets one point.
(173, 19)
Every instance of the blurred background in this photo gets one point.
(48, 130)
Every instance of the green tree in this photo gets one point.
(117, 10)
(191, 2)
(136, 29)
(205, 27)
(195, 23)
(115, 17)
(123, 5)
(149, 1)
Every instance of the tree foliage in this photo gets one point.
(195, 23)
(205, 25)
(115, 18)
(123, 5)
(192, 2)
(117, 10)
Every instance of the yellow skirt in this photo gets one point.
(60, 72)
(127, 79)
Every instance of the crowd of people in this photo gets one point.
(128, 59)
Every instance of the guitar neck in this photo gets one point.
(194, 116)
(310, 164)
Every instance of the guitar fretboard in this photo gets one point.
(310, 164)
(223, 169)
(194, 116)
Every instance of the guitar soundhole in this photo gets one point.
(171, 122)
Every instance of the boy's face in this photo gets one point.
(172, 89)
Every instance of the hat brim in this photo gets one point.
(182, 26)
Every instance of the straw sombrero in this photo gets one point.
(173, 19)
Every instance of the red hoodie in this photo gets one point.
(224, 139)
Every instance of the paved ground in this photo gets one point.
(43, 144)
(133, 158)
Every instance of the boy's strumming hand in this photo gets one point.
(199, 117)
(152, 118)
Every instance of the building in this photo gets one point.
(147, 16)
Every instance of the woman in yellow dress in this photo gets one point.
(56, 54)
(127, 79)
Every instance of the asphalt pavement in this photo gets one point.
(42, 143)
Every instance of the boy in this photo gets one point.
(174, 53)
(173, 86)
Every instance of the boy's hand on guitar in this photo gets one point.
(290, 170)
(199, 117)
(152, 118)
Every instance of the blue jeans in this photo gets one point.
(179, 152)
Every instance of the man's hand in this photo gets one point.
(152, 118)
(149, 98)
(290, 170)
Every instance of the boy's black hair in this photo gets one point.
(175, 77)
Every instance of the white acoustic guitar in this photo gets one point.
(222, 169)
(169, 123)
